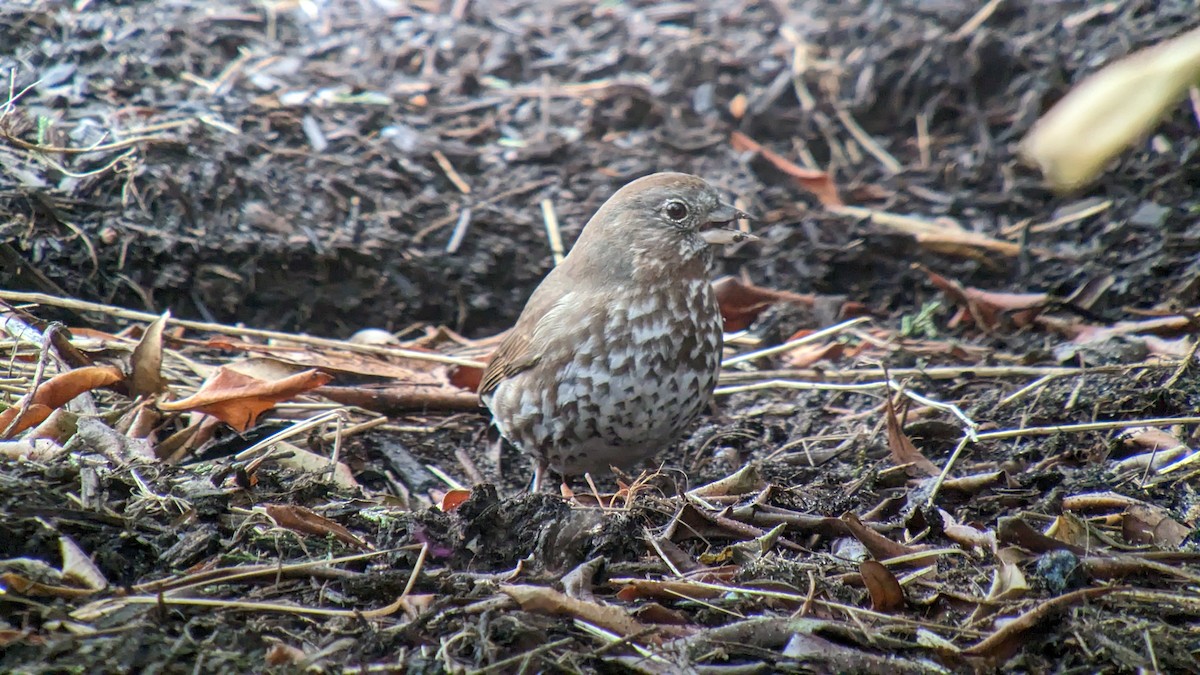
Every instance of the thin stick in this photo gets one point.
(27, 400)
(121, 313)
(448, 169)
(552, 231)
(940, 373)
(976, 21)
(1087, 426)
(864, 139)
(460, 230)
(792, 344)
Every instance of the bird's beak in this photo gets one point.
(723, 215)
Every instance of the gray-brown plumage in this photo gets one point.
(619, 347)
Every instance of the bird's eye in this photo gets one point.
(676, 211)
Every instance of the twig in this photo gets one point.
(27, 400)
(552, 231)
(448, 169)
(1062, 429)
(416, 571)
(976, 21)
(792, 344)
(864, 139)
(939, 373)
(119, 312)
(460, 230)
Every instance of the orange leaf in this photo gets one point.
(55, 393)
(238, 399)
(819, 183)
(453, 499)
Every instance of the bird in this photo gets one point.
(618, 348)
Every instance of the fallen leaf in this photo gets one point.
(985, 308)
(904, 452)
(295, 457)
(238, 400)
(819, 183)
(882, 585)
(1147, 524)
(146, 363)
(55, 393)
(453, 499)
(548, 601)
(880, 547)
(306, 521)
(1110, 110)
(742, 302)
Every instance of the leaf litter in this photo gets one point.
(1004, 480)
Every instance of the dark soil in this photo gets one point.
(288, 178)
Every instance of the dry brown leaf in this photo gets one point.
(880, 547)
(742, 302)
(146, 363)
(55, 393)
(1004, 642)
(1008, 582)
(819, 183)
(744, 481)
(885, 590)
(985, 308)
(1013, 530)
(637, 589)
(550, 602)
(77, 567)
(904, 452)
(1152, 525)
(280, 654)
(238, 400)
(1109, 110)
(306, 521)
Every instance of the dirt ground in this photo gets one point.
(320, 168)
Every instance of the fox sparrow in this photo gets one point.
(619, 347)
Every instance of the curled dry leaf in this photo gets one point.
(1160, 326)
(238, 399)
(744, 481)
(550, 602)
(819, 183)
(878, 545)
(985, 308)
(146, 363)
(77, 568)
(306, 521)
(55, 393)
(885, 590)
(904, 452)
(742, 302)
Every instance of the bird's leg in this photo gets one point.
(539, 473)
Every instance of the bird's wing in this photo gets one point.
(526, 344)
